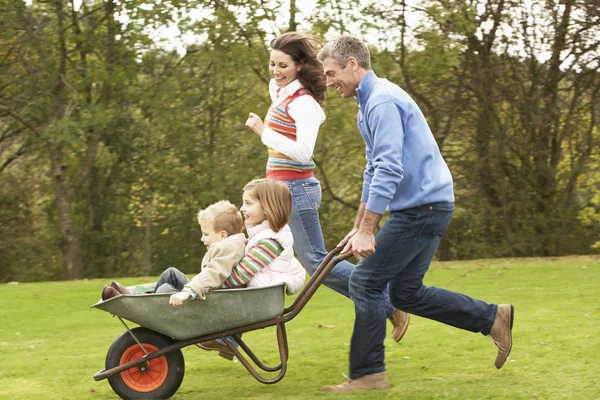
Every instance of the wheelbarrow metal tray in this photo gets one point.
(222, 310)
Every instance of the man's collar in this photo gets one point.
(365, 86)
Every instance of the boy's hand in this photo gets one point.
(178, 299)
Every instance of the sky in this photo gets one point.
(170, 37)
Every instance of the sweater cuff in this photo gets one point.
(191, 292)
(364, 197)
(378, 205)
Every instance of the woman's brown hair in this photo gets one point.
(301, 48)
(275, 199)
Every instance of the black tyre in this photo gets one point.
(159, 378)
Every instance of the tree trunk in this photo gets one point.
(147, 268)
(72, 263)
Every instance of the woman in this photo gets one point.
(290, 132)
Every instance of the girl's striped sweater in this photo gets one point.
(255, 260)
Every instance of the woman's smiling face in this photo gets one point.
(283, 69)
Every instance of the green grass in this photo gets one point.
(51, 343)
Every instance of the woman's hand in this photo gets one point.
(255, 123)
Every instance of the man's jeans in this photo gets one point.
(406, 245)
(308, 237)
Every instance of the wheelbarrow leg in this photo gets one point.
(253, 356)
(283, 355)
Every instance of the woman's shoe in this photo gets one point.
(223, 350)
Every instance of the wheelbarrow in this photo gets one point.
(147, 362)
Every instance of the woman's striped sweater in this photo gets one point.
(278, 119)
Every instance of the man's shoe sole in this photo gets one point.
(512, 318)
(401, 335)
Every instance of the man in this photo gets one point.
(407, 175)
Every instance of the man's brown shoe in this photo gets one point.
(216, 346)
(120, 288)
(109, 292)
(501, 332)
(399, 320)
(378, 381)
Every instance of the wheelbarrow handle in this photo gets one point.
(330, 261)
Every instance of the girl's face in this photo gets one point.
(283, 68)
(251, 209)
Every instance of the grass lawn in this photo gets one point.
(51, 343)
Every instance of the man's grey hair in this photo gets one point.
(344, 47)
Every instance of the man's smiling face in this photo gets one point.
(341, 77)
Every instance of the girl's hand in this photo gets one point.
(255, 123)
(178, 299)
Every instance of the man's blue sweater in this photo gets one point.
(404, 165)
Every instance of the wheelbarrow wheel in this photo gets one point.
(159, 378)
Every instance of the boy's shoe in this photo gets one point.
(399, 320)
(501, 333)
(109, 292)
(120, 288)
(214, 345)
(378, 381)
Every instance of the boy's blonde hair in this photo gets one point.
(275, 199)
(223, 216)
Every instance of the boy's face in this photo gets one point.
(209, 236)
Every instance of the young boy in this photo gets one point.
(222, 226)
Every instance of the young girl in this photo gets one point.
(267, 205)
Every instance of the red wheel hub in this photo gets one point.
(146, 377)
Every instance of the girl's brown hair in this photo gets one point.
(275, 199)
(301, 48)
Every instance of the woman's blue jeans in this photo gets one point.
(308, 237)
(406, 245)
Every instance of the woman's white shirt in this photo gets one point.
(308, 115)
